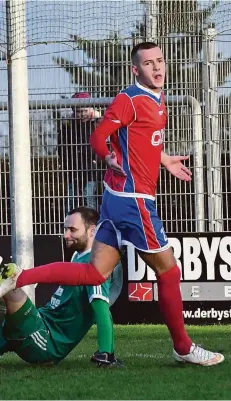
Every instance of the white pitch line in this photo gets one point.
(81, 356)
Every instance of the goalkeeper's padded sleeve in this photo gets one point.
(104, 322)
(63, 273)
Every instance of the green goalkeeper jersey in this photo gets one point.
(69, 314)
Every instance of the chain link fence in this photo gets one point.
(84, 46)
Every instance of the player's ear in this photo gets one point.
(92, 231)
(135, 70)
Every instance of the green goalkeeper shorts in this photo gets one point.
(26, 331)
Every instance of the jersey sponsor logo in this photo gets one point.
(55, 302)
(140, 292)
(161, 112)
(157, 137)
(59, 291)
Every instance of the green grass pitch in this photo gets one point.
(150, 371)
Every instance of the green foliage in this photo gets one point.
(180, 33)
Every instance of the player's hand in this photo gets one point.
(106, 360)
(175, 166)
(112, 163)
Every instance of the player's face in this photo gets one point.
(76, 235)
(83, 114)
(150, 68)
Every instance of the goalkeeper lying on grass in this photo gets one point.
(50, 333)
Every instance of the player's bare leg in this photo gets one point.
(104, 258)
(160, 262)
(14, 300)
(170, 300)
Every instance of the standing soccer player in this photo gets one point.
(135, 123)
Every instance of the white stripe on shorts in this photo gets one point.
(38, 341)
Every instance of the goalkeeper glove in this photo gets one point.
(6, 269)
(106, 360)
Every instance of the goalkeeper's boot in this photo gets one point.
(199, 356)
(8, 277)
(106, 360)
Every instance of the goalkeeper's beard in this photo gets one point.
(79, 245)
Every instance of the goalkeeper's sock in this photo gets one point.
(63, 273)
(171, 306)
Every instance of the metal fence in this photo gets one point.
(77, 46)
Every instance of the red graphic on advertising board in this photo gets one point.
(140, 292)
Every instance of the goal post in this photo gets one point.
(19, 135)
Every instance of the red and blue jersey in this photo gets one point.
(135, 122)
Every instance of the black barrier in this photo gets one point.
(205, 261)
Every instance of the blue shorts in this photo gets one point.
(125, 220)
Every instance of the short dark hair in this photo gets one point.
(90, 216)
(141, 46)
